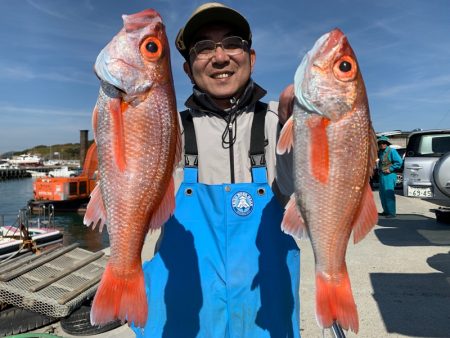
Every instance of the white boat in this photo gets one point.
(35, 173)
(63, 172)
(50, 163)
(26, 160)
(4, 164)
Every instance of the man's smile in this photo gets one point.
(221, 75)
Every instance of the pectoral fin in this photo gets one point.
(319, 148)
(117, 107)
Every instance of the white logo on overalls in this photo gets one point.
(242, 203)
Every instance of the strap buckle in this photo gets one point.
(257, 160)
(190, 160)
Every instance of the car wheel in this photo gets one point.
(441, 174)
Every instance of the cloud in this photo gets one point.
(42, 8)
(15, 110)
(24, 73)
(420, 85)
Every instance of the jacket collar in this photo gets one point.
(199, 100)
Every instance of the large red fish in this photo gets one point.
(334, 147)
(136, 131)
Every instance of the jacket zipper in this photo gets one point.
(230, 138)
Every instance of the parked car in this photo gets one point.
(427, 165)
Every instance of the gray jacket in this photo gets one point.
(213, 142)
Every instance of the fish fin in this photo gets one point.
(165, 208)
(366, 216)
(120, 297)
(95, 211)
(373, 151)
(115, 107)
(319, 148)
(178, 147)
(292, 223)
(91, 161)
(334, 302)
(286, 139)
(94, 121)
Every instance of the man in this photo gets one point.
(389, 162)
(223, 267)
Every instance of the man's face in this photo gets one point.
(222, 76)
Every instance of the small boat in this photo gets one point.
(35, 173)
(26, 160)
(64, 172)
(28, 233)
(66, 192)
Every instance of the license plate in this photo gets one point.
(420, 192)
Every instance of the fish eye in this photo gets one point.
(345, 66)
(151, 48)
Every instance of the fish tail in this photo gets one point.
(120, 297)
(334, 302)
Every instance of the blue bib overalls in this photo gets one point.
(224, 268)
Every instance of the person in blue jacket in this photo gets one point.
(389, 162)
(223, 267)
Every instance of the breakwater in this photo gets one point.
(7, 174)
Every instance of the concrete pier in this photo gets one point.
(6, 174)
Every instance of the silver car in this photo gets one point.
(426, 171)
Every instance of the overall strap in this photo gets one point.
(190, 141)
(190, 148)
(258, 143)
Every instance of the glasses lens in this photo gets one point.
(204, 47)
(232, 45)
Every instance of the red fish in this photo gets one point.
(138, 139)
(334, 149)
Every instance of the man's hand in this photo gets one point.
(286, 103)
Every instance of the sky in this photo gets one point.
(48, 48)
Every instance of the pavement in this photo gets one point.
(400, 276)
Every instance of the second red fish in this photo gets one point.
(334, 148)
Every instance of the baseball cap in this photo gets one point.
(383, 139)
(211, 12)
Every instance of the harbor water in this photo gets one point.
(14, 195)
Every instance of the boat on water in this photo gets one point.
(28, 233)
(67, 190)
(64, 171)
(26, 160)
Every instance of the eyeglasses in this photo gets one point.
(232, 45)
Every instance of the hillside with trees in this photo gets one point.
(68, 151)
